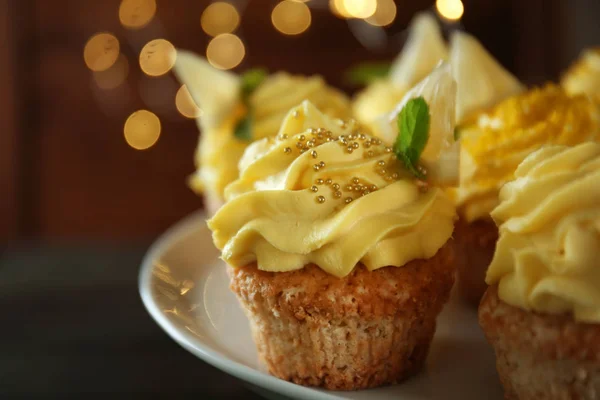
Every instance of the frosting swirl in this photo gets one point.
(583, 77)
(219, 151)
(494, 146)
(549, 219)
(322, 192)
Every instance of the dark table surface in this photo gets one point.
(73, 324)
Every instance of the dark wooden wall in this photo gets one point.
(65, 169)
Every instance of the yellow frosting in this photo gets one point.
(219, 151)
(549, 217)
(321, 192)
(584, 75)
(493, 147)
(375, 101)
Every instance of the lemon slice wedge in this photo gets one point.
(216, 92)
(481, 81)
(424, 49)
(441, 154)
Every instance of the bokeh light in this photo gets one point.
(142, 130)
(185, 103)
(360, 8)
(450, 9)
(385, 13)
(136, 14)
(225, 51)
(101, 51)
(219, 18)
(157, 57)
(338, 9)
(114, 76)
(291, 17)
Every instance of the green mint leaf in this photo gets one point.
(243, 128)
(456, 133)
(251, 79)
(413, 133)
(365, 73)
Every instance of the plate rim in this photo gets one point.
(180, 229)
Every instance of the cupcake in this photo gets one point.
(583, 77)
(424, 49)
(338, 255)
(237, 110)
(499, 125)
(541, 313)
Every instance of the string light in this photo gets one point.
(185, 103)
(219, 18)
(101, 51)
(450, 9)
(142, 130)
(157, 57)
(136, 14)
(360, 8)
(291, 17)
(385, 13)
(114, 76)
(225, 51)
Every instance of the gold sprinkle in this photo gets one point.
(319, 181)
(296, 114)
(388, 178)
(310, 143)
(322, 164)
(314, 188)
(312, 130)
(287, 150)
(376, 141)
(358, 188)
(395, 175)
(313, 154)
(335, 186)
(388, 149)
(362, 136)
(370, 153)
(337, 194)
(303, 150)
(319, 135)
(348, 200)
(355, 145)
(355, 180)
(320, 199)
(316, 167)
(373, 188)
(328, 181)
(283, 136)
(321, 130)
(381, 163)
(422, 170)
(348, 188)
(382, 171)
(366, 192)
(302, 138)
(349, 149)
(299, 145)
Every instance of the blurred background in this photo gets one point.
(83, 193)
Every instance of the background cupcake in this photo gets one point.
(424, 49)
(337, 255)
(240, 109)
(542, 312)
(583, 76)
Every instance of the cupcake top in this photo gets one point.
(546, 259)
(240, 109)
(495, 144)
(323, 192)
(583, 77)
(424, 49)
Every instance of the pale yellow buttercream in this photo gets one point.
(219, 151)
(493, 147)
(546, 259)
(583, 77)
(275, 215)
